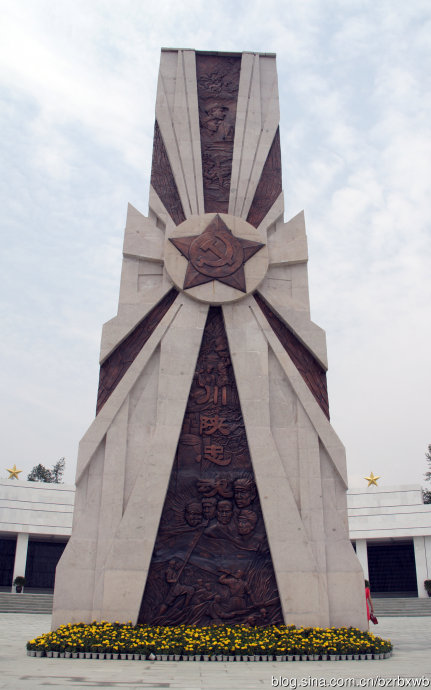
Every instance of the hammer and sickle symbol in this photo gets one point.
(225, 254)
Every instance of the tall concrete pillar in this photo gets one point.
(20, 556)
(422, 572)
(427, 541)
(362, 554)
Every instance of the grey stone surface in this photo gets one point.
(299, 462)
(178, 119)
(257, 121)
(411, 638)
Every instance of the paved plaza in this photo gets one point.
(411, 659)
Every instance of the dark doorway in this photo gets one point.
(42, 559)
(7, 560)
(392, 569)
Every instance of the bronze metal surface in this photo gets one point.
(216, 254)
(211, 561)
(218, 83)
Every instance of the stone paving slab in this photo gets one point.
(411, 658)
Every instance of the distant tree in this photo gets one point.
(40, 473)
(427, 492)
(58, 471)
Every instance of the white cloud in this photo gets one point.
(78, 86)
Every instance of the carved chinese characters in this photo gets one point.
(211, 561)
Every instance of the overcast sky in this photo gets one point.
(78, 84)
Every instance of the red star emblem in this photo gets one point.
(216, 254)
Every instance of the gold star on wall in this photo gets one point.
(372, 479)
(13, 473)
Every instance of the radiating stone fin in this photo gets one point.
(248, 129)
(159, 212)
(142, 237)
(118, 328)
(269, 131)
(257, 122)
(165, 120)
(133, 544)
(274, 214)
(98, 429)
(186, 124)
(309, 333)
(288, 244)
(324, 429)
(294, 561)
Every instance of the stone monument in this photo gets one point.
(210, 487)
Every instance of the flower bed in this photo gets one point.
(223, 642)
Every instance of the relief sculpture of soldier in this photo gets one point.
(247, 520)
(213, 122)
(176, 589)
(238, 589)
(217, 134)
(244, 490)
(180, 527)
(222, 528)
(209, 507)
(239, 526)
(193, 513)
(249, 524)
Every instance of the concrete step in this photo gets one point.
(409, 606)
(25, 603)
(42, 603)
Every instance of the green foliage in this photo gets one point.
(428, 457)
(58, 471)
(40, 473)
(19, 581)
(215, 639)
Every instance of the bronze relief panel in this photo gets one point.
(218, 84)
(211, 561)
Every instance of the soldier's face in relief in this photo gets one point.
(244, 495)
(209, 508)
(224, 512)
(193, 514)
(246, 522)
(218, 112)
